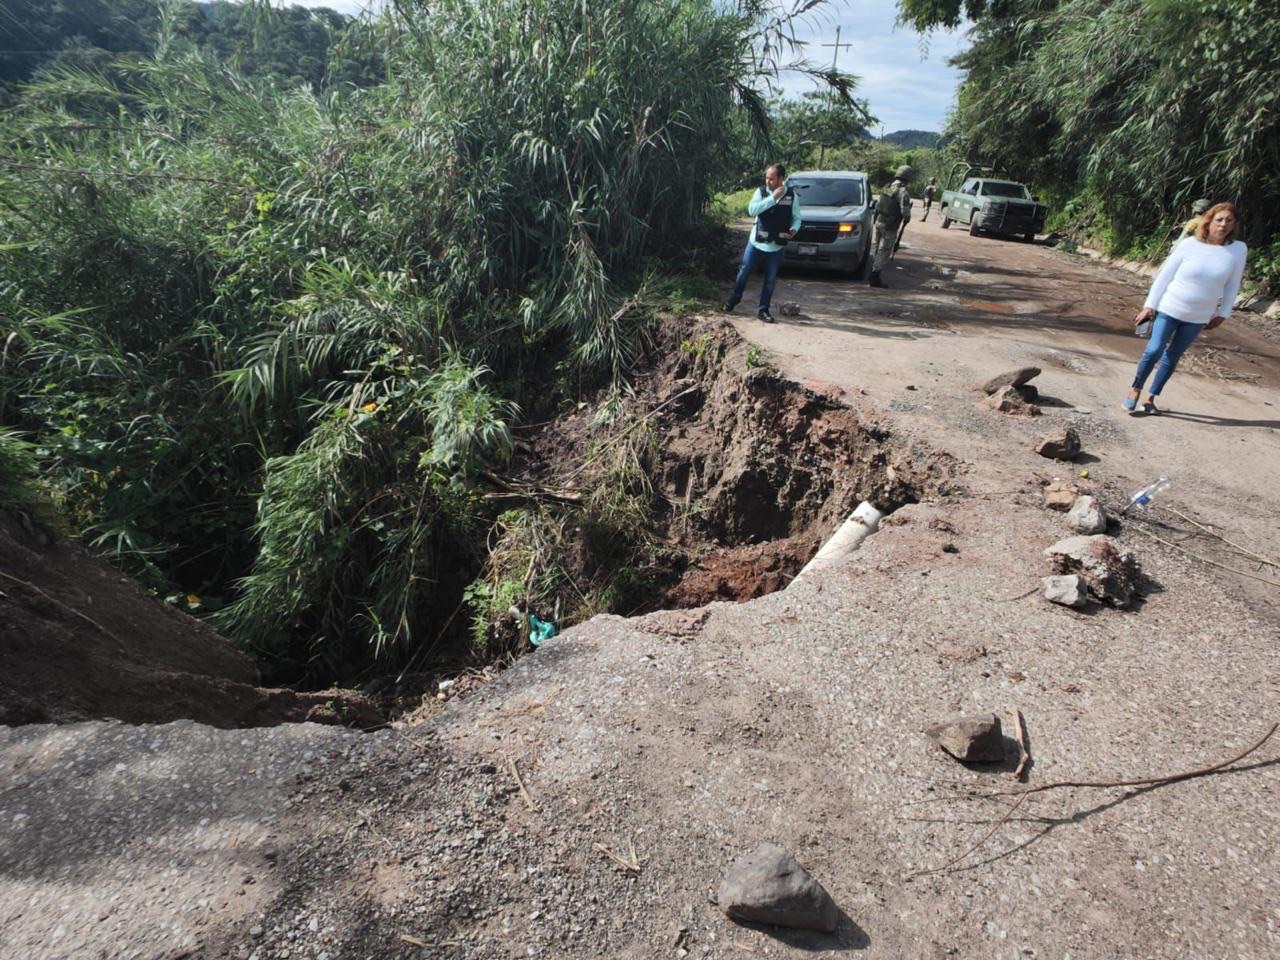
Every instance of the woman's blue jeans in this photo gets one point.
(1170, 338)
(770, 262)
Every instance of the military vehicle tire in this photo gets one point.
(974, 229)
(1028, 238)
(946, 221)
(860, 272)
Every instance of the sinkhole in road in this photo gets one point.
(714, 478)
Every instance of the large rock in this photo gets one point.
(1107, 570)
(1012, 400)
(1087, 516)
(1063, 444)
(1013, 378)
(975, 739)
(1066, 590)
(767, 885)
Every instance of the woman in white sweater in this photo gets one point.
(1193, 291)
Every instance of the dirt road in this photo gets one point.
(961, 309)
(587, 803)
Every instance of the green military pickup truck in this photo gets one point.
(988, 205)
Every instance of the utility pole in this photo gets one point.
(835, 54)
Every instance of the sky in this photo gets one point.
(909, 85)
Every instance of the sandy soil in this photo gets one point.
(587, 803)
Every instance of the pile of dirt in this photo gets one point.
(82, 641)
(747, 472)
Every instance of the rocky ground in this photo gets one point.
(588, 802)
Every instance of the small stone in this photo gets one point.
(1063, 444)
(1066, 590)
(256, 932)
(790, 309)
(1060, 495)
(767, 885)
(1087, 516)
(1013, 378)
(974, 739)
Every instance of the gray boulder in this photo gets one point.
(975, 739)
(1087, 516)
(767, 885)
(1066, 590)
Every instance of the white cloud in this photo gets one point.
(907, 83)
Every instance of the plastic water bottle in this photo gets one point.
(1143, 496)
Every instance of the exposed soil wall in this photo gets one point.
(82, 641)
(750, 472)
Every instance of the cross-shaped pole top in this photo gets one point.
(837, 46)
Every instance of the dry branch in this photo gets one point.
(1144, 782)
(1244, 551)
(1063, 784)
(1020, 735)
(985, 837)
(1213, 563)
(528, 800)
(632, 865)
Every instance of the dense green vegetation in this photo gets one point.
(267, 337)
(1124, 111)
(293, 43)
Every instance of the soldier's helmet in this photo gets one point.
(905, 173)
(1200, 206)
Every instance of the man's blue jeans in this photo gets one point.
(1170, 338)
(770, 262)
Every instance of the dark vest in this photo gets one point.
(776, 220)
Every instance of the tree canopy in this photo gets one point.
(1126, 110)
(267, 337)
(287, 42)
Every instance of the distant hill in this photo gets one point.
(911, 139)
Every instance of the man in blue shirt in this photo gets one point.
(777, 212)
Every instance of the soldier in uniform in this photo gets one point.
(892, 213)
(930, 195)
(1197, 211)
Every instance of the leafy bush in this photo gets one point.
(269, 340)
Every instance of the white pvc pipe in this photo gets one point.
(863, 522)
